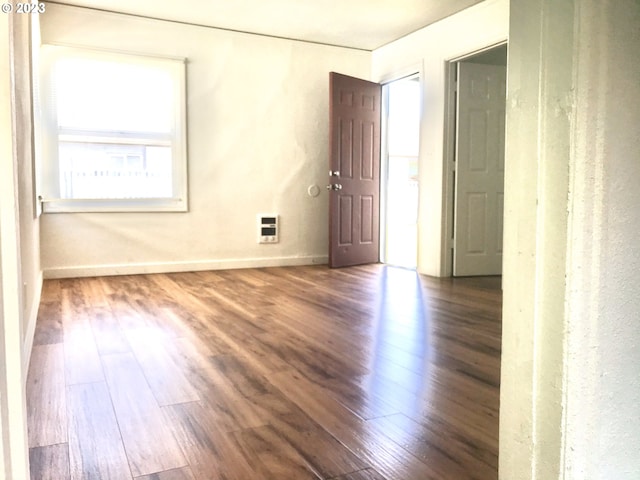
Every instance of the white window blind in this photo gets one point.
(114, 131)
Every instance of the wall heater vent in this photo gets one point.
(268, 228)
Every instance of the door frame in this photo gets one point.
(449, 187)
(412, 70)
(384, 157)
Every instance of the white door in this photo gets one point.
(479, 170)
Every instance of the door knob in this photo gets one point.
(334, 186)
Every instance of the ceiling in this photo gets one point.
(361, 24)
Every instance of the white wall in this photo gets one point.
(427, 51)
(537, 155)
(570, 388)
(602, 357)
(257, 139)
(12, 312)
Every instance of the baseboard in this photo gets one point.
(32, 317)
(171, 267)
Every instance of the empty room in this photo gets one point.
(324, 240)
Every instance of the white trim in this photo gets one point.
(99, 205)
(384, 150)
(466, 56)
(151, 140)
(413, 69)
(384, 171)
(151, 56)
(190, 266)
(448, 188)
(30, 331)
(13, 423)
(450, 133)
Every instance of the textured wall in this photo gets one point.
(257, 139)
(570, 387)
(539, 116)
(603, 327)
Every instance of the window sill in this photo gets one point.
(148, 205)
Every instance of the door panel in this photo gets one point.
(354, 208)
(479, 170)
(346, 219)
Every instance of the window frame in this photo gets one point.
(52, 136)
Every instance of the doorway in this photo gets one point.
(401, 135)
(478, 90)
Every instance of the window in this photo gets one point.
(114, 132)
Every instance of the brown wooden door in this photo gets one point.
(354, 166)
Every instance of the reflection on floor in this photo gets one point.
(368, 372)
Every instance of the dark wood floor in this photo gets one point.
(363, 373)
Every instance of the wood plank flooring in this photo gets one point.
(362, 373)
